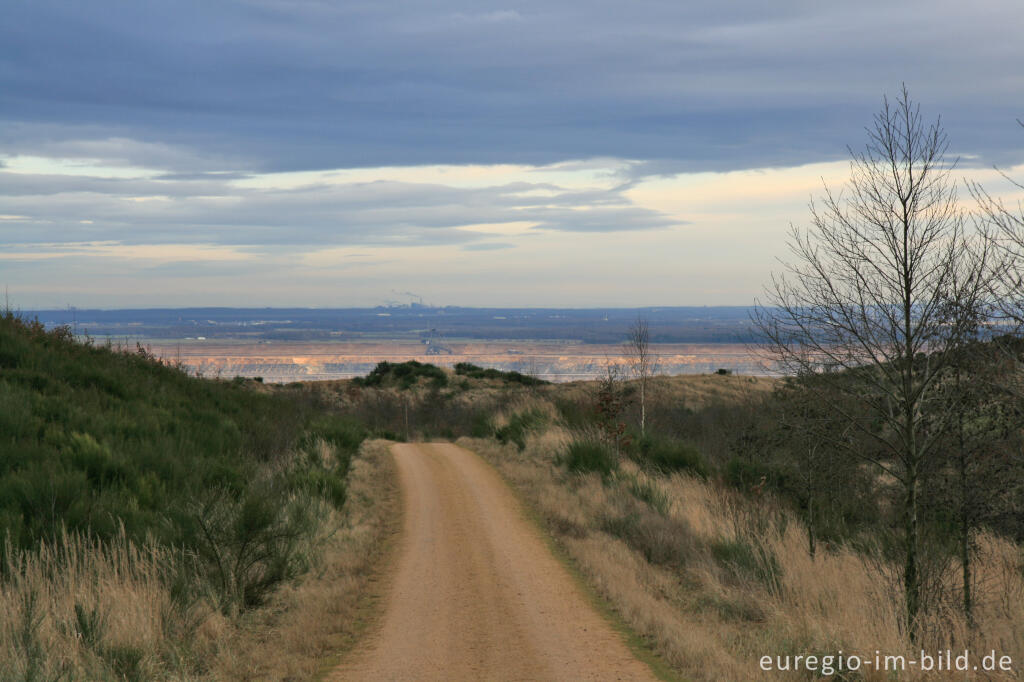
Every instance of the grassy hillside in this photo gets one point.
(93, 439)
(192, 497)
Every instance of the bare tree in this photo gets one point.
(642, 362)
(1005, 233)
(865, 304)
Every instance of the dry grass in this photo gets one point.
(694, 391)
(78, 609)
(715, 580)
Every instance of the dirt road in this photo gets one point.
(476, 594)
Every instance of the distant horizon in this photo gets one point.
(397, 306)
(423, 324)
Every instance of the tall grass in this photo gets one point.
(77, 607)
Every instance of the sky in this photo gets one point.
(320, 153)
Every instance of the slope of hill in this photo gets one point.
(140, 505)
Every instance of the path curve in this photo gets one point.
(477, 595)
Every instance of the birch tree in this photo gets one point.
(638, 348)
(865, 302)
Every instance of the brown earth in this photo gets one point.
(476, 593)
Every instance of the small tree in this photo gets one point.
(822, 477)
(610, 402)
(642, 362)
(866, 303)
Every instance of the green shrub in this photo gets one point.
(587, 456)
(518, 426)
(328, 484)
(403, 374)
(669, 455)
(344, 433)
(480, 425)
(575, 413)
(476, 372)
(252, 544)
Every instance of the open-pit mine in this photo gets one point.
(280, 362)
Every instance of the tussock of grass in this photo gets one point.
(77, 607)
(585, 456)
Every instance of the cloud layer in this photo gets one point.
(580, 153)
(43, 201)
(275, 85)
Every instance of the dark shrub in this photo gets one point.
(668, 455)
(745, 473)
(345, 433)
(475, 372)
(403, 374)
(518, 426)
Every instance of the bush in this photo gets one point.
(253, 544)
(403, 374)
(344, 433)
(744, 474)
(667, 455)
(103, 442)
(472, 371)
(586, 456)
(518, 426)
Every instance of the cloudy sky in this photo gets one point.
(333, 153)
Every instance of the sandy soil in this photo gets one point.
(476, 594)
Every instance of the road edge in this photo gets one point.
(376, 584)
